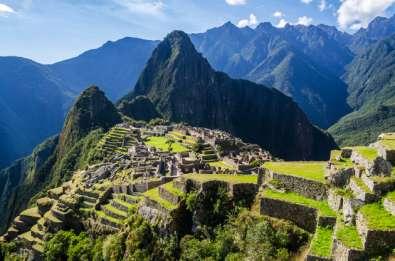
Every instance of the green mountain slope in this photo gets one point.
(53, 161)
(184, 88)
(371, 82)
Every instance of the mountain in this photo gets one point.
(371, 84)
(32, 106)
(115, 66)
(379, 29)
(303, 62)
(54, 160)
(183, 87)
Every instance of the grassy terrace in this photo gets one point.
(322, 242)
(367, 152)
(161, 144)
(388, 144)
(391, 196)
(322, 206)
(340, 163)
(169, 187)
(221, 164)
(234, 179)
(349, 236)
(361, 184)
(105, 216)
(154, 195)
(377, 217)
(308, 170)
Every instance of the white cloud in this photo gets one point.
(306, 1)
(251, 21)
(304, 20)
(278, 14)
(323, 5)
(236, 2)
(282, 23)
(148, 7)
(354, 14)
(6, 9)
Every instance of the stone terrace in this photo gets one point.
(348, 203)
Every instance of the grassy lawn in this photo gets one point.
(377, 217)
(367, 152)
(234, 179)
(321, 206)
(160, 143)
(154, 195)
(105, 216)
(349, 236)
(321, 245)
(341, 163)
(308, 170)
(221, 164)
(169, 187)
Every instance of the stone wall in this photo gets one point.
(343, 253)
(335, 201)
(361, 194)
(339, 177)
(389, 206)
(167, 195)
(387, 154)
(303, 216)
(308, 188)
(378, 188)
(374, 240)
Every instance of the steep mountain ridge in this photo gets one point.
(54, 160)
(372, 94)
(184, 88)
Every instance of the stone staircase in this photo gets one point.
(208, 153)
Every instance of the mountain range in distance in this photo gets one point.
(315, 65)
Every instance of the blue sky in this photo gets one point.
(51, 30)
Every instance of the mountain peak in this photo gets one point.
(92, 110)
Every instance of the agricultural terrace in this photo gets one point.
(309, 170)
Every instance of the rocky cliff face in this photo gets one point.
(184, 88)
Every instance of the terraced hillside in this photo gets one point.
(348, 204)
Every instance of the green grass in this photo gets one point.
(340, 163)
(322, 206)
(322, 242)
(361, 184)
(169, 187)
(234, 179)
(349, 236)
(308, 170)
(388, 144)
(367, 152)
(377, 217)
(116, 211)
(154, 195)
(160, 143)
(105, 216)
(221, 164)
(391, 196)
